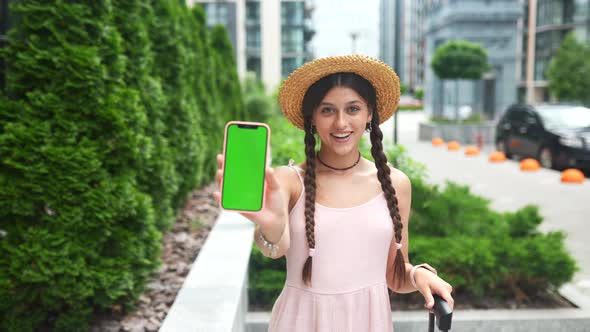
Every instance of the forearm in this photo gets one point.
(277, 233)
(406, 287)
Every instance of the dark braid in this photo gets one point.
(383, 174)
(309, 196)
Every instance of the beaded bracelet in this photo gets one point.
(272, 246)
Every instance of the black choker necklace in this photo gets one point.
(339, 169)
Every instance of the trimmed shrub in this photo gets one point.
(79, 232)
(158, 177)
(214, 116)
(174, 64)
(101, 140)
(411, 107)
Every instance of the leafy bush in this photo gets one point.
(480, 251)
(473, 118)
(410, 108)
(266, 278)
(286, 141)
(259, 107)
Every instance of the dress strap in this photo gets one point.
(291, 162)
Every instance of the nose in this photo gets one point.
(341, 120)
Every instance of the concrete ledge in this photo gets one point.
(541, 320)
(214, 294)
(465, 133)
(525, 320)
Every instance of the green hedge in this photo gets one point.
(479, 251)
(473, 118)
(106, 124)
(411, 107)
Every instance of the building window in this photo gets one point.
(253, 34)
(216, 13)
(582, 15)
(292, 40)
(547, 43)
(554, 12)
(288, 65)
(253, 64)
(252, 13)
(253, 39)
(292, 13)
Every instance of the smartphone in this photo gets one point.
(245, 157)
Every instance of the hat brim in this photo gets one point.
(380, 75)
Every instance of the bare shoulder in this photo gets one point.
(400, 181)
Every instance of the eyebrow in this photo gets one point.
(349, 103)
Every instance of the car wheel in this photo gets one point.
(502, 147)
(546, 158)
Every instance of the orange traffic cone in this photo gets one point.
(572, 175)
(472, 150)
(437, 141)
(453, 146)
(529, 164)
(497, 157)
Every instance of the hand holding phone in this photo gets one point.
(247, 184)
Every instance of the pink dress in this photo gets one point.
(348, 288)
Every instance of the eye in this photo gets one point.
(326, 110)
(354, 109)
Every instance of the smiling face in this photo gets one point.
(340, 120)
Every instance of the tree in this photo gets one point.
(569, 70)
(258, 106)
(459, 59)
(228, 82)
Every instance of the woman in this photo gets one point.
(340, 220)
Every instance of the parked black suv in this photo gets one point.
(558, 136)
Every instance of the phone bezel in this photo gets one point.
(266, 160)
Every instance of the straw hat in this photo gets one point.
(380, 75)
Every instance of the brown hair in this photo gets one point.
(312, 99)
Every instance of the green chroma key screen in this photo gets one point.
(243, 177)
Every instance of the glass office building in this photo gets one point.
(294, 27)
(492, 25)
(253, 38)
(554, 20)
(295, 33)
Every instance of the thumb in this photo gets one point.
(428, 299)
(273, 182)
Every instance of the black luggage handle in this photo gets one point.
(442, 312)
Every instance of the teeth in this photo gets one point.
(342, 136)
